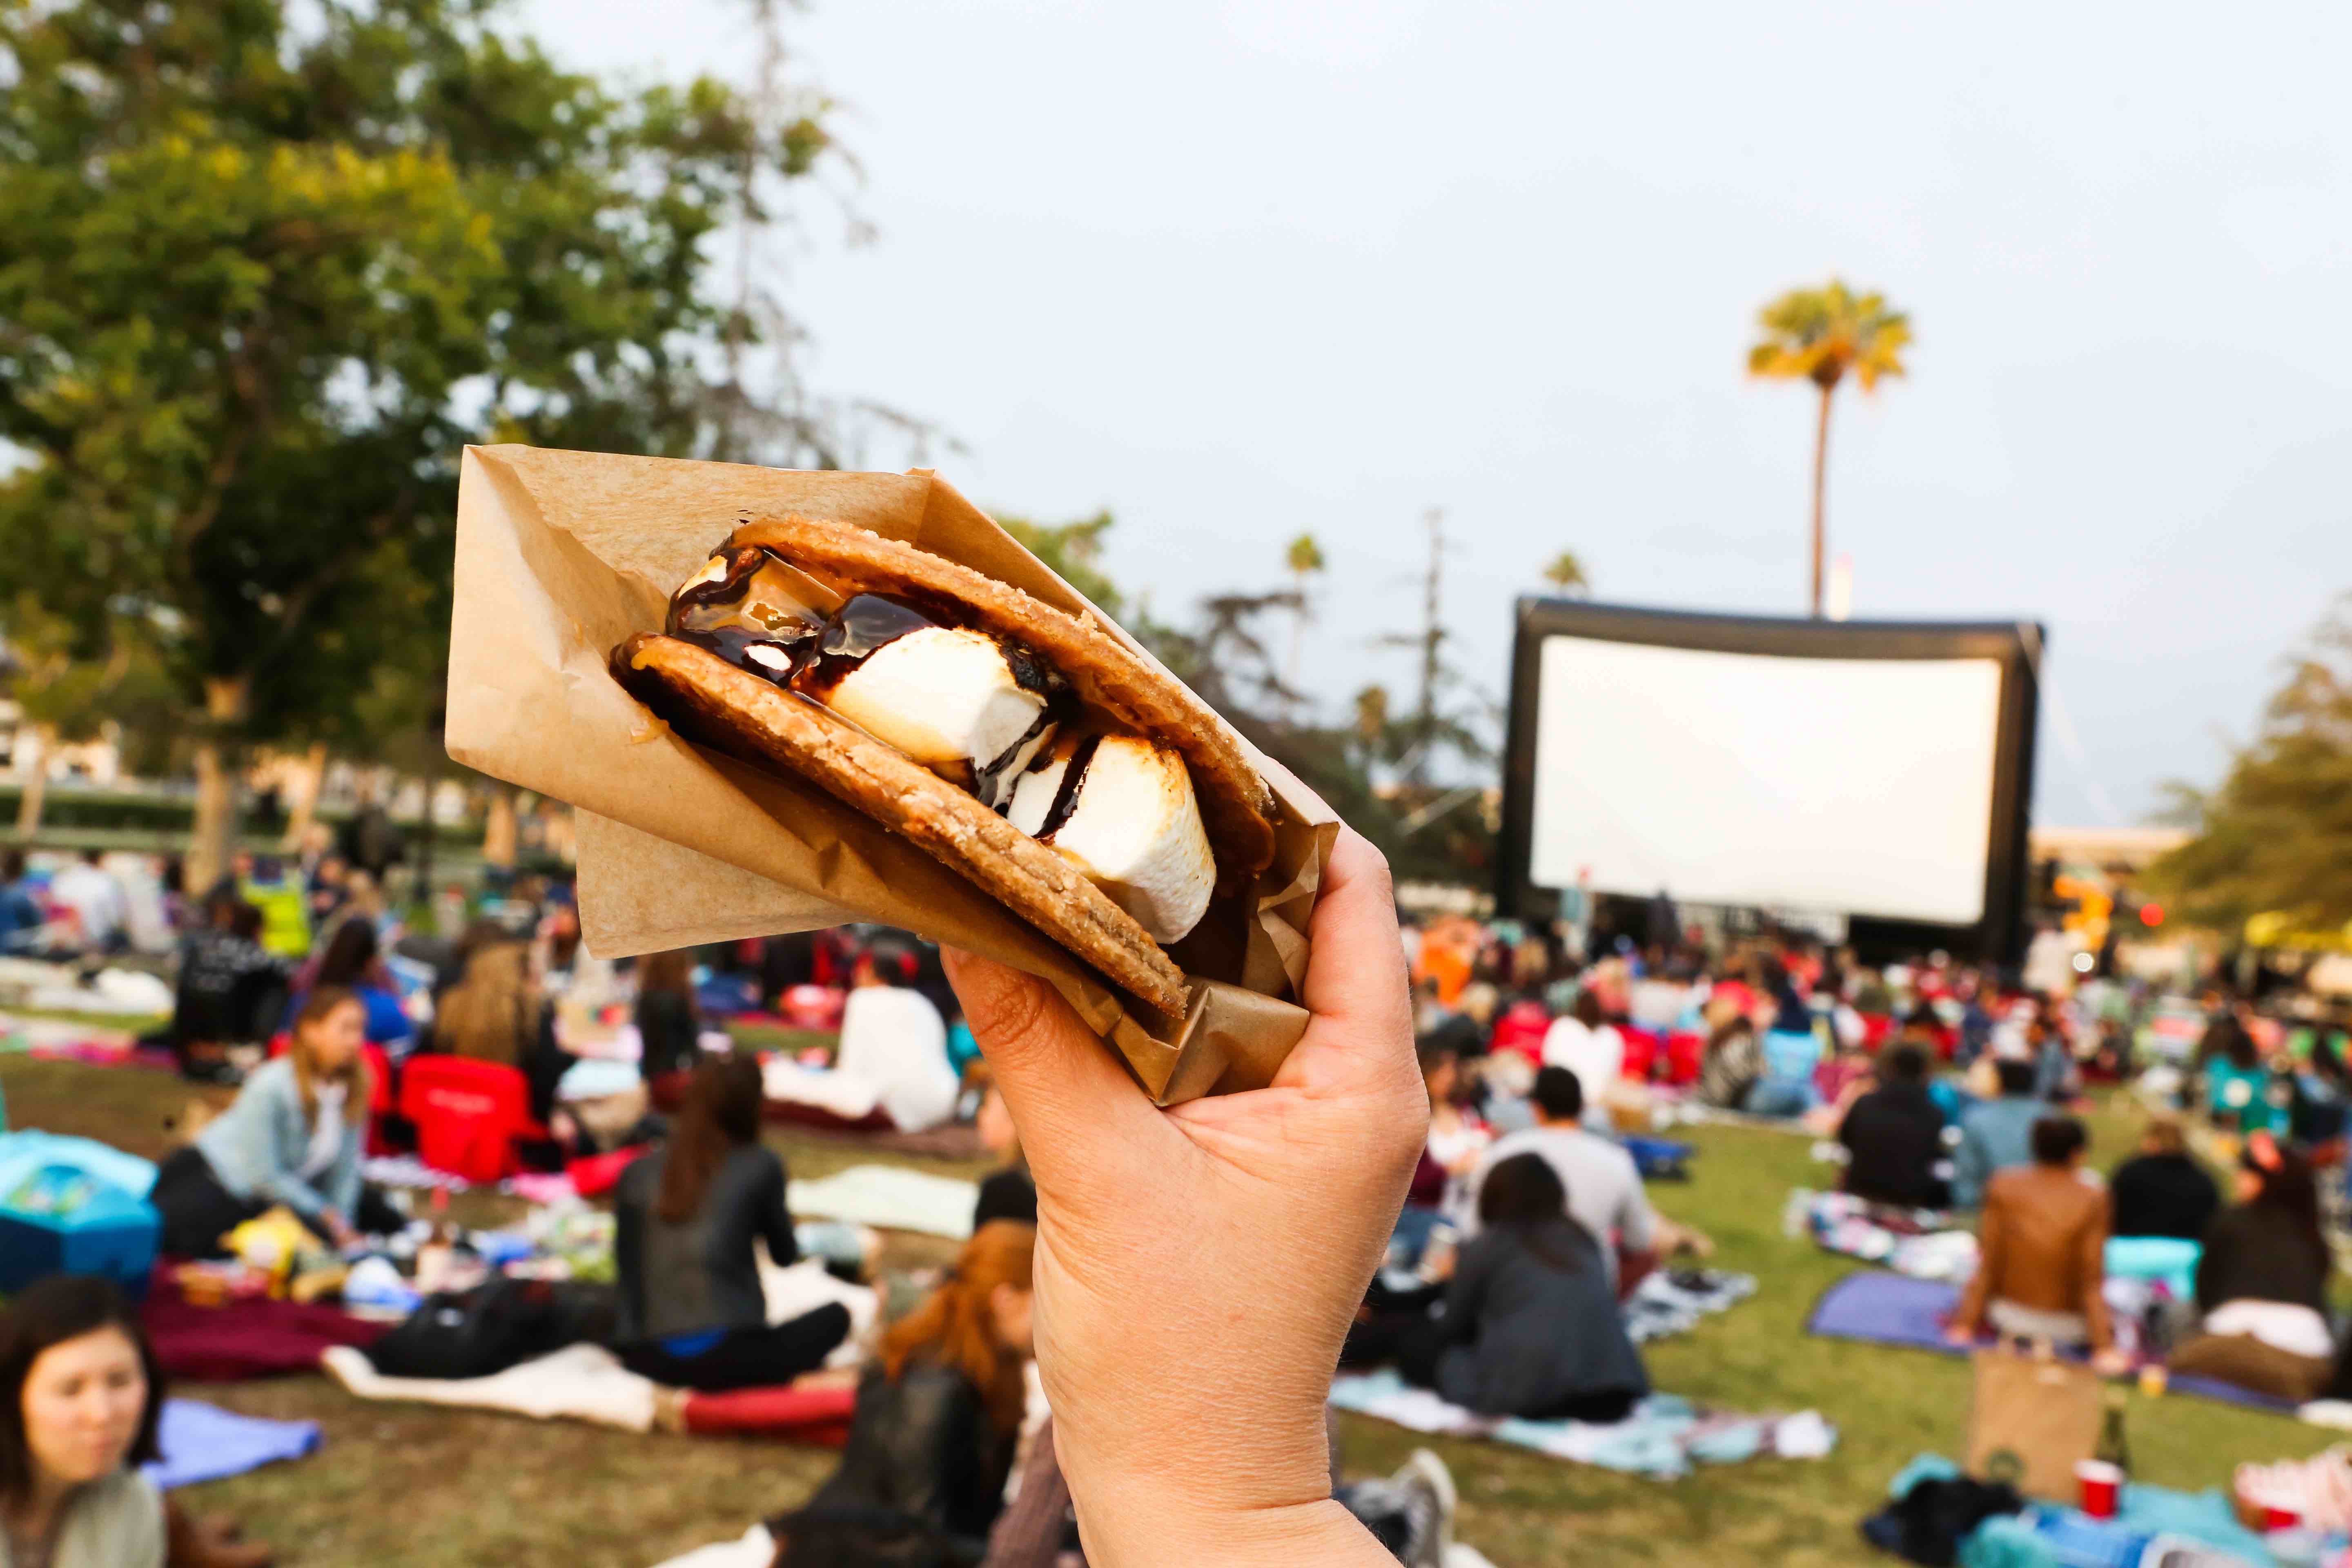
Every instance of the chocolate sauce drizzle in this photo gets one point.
(861, 628)
(1065, 796)
(820, 639)
(989, 783)
(762, 601)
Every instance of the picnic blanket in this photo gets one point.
(2149, 1520)
(253, 1338)
(1924, 1243)
(1669, 1303)
(204, 1443)
(1894, 1310)
(1663, 1438)
(888, 1198)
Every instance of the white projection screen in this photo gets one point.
(1872, 770)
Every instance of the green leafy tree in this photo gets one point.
(1074, 550)
(68, 680)
(2277, 836)
(265, 268)
(1566, 574)
(1823, 336)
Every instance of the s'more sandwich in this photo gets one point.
(1024, 747)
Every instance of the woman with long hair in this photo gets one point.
(496, 1012)
(1731, 1064)
(669, 1019)
(1530, 1324)
(2262, 1282)
(938, 1414)
(692, 1314)
(294, 1136)
(80, 1396)
(352, 961)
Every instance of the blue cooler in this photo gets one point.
(59, 1220)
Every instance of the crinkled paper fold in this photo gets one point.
(560, 556)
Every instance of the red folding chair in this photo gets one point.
(1642, 1048)
(468, 1115)
(1685, 1050)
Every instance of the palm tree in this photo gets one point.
(1566, 574)
(1305, 559)
(1820, 335)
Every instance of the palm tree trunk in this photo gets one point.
(213, 834)
(500, 831)
(1821, 494)
(29, 804)
(309, 781)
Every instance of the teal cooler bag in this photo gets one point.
(59, 1220)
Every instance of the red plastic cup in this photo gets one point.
(2102, 1487)
(2278, 1517)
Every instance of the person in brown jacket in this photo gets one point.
(2042, 1246)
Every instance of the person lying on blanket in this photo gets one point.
(1530, 1326)
(691, 1311)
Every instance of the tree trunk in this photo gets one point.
(37, 784)
(303, 809)
(212, 841)
(423, 894)
(501, 832)
(1820, 493)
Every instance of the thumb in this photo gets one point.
(1073, 1105)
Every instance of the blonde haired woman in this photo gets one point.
(496, 1012)
(294, 1136)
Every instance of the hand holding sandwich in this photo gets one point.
(1197, 1268)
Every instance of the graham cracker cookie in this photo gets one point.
(709, 699)
(1236, 807)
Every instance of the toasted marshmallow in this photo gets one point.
(1133, 827)
(946, 697)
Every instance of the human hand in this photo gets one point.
(2111, 1362)
(1197, 1268)
(1959, 1334)
(339, 1230)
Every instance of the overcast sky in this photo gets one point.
(1241, 269)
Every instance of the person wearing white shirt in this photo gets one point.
(894, 1039)
(1604, 1189)
(1588, 1047)
(90, 891)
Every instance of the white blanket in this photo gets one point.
(805, 1287)
(851, 1098)
(582, 1383)
(888, 1198)
(757, 1549)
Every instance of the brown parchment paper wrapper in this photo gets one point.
(560, 556)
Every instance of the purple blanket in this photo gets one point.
(1882, 1309)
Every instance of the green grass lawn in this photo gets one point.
(408, 1488)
